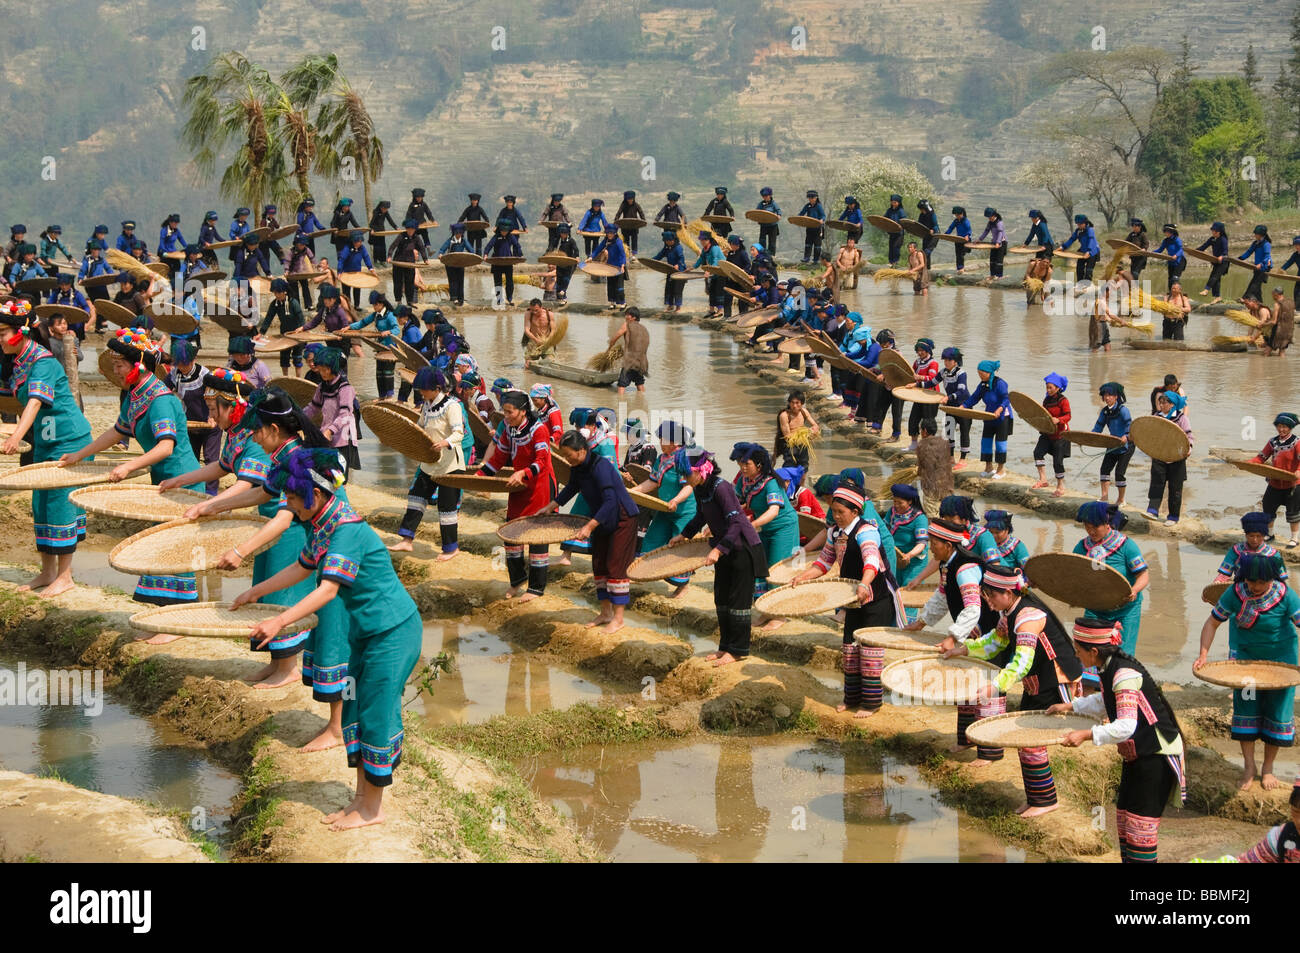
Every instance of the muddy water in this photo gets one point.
(757, 800)
(118, 753)
(491, 677)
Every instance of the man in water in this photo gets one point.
(539, 322)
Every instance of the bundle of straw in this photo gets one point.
(124, 262)
(535, 280)
(1221, 340)
(801, 438)
(1141, 299)
(607, 359)
(1033, 285)
(689, 233)
(1112, 265)
(1242, 316)
(891, 274)
(438, 291)
(1146, 328)
(554, 338)
(814, 283)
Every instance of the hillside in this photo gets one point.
(713, 90)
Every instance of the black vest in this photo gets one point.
(851, 565)
(1144, 740)
(1053, 649)
(952, 592)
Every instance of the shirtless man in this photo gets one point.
(1040, 268)
(539, 322)
(920, 273)
(1262, 336)
(847, 262)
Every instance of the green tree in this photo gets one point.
(227, 103)
(1250, 71)
(344, 127)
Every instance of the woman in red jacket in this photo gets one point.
(523, 441)
(1059, 407)
(1283, 452)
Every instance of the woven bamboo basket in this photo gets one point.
(313, 336)
(733, 272)
(780, 574)
(810, 525)
(274, 345)
(461, 259)
(541, 530)
(914, 228)
(686, 275)
(794, 346)
(136, 501)
(478, 426)
(112, 311)
(558, 260)
(1160, 439)
(762, 216)
(7, 431)
(50, 476)
(207, 276)
(889, 637)
(504, 261)
(896, 377)
(358, 279)
(600, 269)
(224, 318)
(917, 395)
(169, 318)
(914, 598)
(213, 620)
(809, 598)
(475, 482)
(804, 221)
(660, 266)
(397, 407)
(1086, 438)
(398, 432)
(105, 363)
(299, 388)
(1026, 729)
(930, 680)
(1076, 580)
(884, 224)
(638, 473)
(1245, 673)
(184, 546)
(1212, 593)
(1032, 412)
(647, 502)
(891, 358)
(669, 561)
(1264, 470)
(974, 413)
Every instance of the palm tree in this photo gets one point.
(228, 102)
(343, 122)
(300, 137)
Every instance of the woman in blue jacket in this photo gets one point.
(1261, 253)
(1217, 244)
(385, 322)
(994, 392)
(1173, 245)
(1085, 234)
(1117, 420)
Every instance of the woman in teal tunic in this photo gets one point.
(351, 563)
(279, 427)
(911, 531)
(1102, 522)
(53, 423)
(155, 417)
(1008, 551)
(667, 484)
(598, 427)
(763, 495)
(1262, 613)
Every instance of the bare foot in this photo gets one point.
(679, 590)
(980, 763)
(57, 587)
(863, 713)
(841, 707)
(1247, 777)
(514, 591)
(402, 546)
(323, 741)
(1039, 485)
(566, 561)
(350, 806)
(443, 557)
(726, 658)
(1269, 781)
(772, 624)
(357, 818)
(261, 673)
(528, 597)
(958, 749)
(38, 582)
(1059, 491)
(613, 626)
(598, 621)
(1038, 811)
(288, 678)
(162, 638)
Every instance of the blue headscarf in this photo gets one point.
(1175, 398)
(997, 519)
(1056, 379)
(792, 477)
(853, 475)
(989, 367)
(1255, 523)
(1255, 567)
(861, 333)
(1100, 513)
(905, 491)
(962, 506)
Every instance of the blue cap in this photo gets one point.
(243, 210)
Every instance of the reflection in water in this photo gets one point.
(490, 677)
(756, 799)
(115, 753)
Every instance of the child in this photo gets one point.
(1058, 406)
(1169, 405)
(1117, 420)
